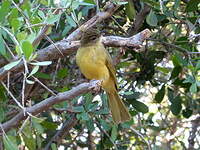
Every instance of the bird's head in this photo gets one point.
(91, 35)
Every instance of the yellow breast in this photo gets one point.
(91, 60)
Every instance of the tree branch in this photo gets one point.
(68, 124)
(68, 47)
(45, 104)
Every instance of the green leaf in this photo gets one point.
(90, 125)
(42, 63)
(3, 96)
(43, 75)
(70, 21)
(52, 19)
(21, 36)
(11, 65)
(35, 69)
(53, 146)
(197, 66)
(175, 72)
(78, 109)
(9, 143)
(15, 23)
(2, 46)
(90, 1)
(193, 88)
(4, 10)
(130, 10)
(105, 125)
(114, 133)
(62, 73)
(176, 106)
(83, 116)
(49, 125)
(152, 19)
(2, 114)
(192, 5)
(27, 48)
(160, 95)
(187, 112)
(170, 94)
(140, 107)
(178, 60)
(189, 79)
(37, 125)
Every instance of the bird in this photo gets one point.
(95, 63)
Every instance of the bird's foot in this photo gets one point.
(96, 85)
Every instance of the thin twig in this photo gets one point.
(16, 101)
(142, 137)
(37, 80)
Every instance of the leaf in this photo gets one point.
(35, 69)
(90, 125)
(175, 72)
(2, 114)
(139, 106)
(70, 21)
(49, 125)
(11, 65)
(105, 125)
(176, 106)
(53, 146)
(152, 19)
(187, 112)
(130, 10)
(90, 1)
(43, 75)
(2, 46)
(52, 19)
(15, 23)
(83, 116)
(27, 48)
(121, 3)
(189, 79)
(4, 10)
(37, 125)
(192, 5)
(197, 66)
(9, 143)
(42, 63)
(30, 81)
(114, 133)
(170, 94)
(160, 95)
(78, 109)
(193, 88)
(62, 73)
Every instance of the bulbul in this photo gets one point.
(96, 63)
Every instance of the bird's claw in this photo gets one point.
(96, 85)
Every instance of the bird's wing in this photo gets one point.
(111, 68)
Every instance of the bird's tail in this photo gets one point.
(118, 108)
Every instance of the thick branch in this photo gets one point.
(45, 104)
(68, 47)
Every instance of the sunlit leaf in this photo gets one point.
(152, 19)
(11, 65)
(42, 63)
(27, 49)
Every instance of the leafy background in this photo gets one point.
(160, 84)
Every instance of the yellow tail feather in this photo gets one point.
(118, 109)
